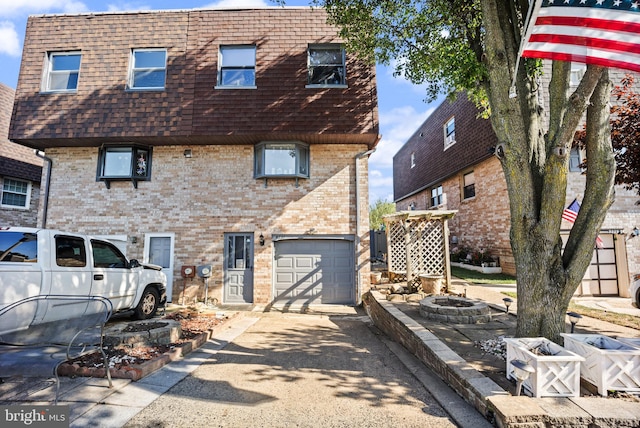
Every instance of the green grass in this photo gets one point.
(623, 320)
(481, 278)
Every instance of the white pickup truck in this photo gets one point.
(49, 262)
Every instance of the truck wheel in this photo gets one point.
(148, 304)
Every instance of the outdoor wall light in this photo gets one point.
(507, 302)
(636, 231)
(573, 319)
(188, 153)
(521, 370)
(261, 240)
(134, 239)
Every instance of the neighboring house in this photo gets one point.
(237, 139)
(448, 163)
(20, 172)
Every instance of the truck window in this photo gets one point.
(70, 252)
(106, 255)
(18, 247)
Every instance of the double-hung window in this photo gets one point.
(449, 133)
(468, 185)
(413, 159)
(16, 193)
(237, 67)
(326, 66)
(148, 69)
(436, 196)
(281, 159)
(61, 72)
(130, 163)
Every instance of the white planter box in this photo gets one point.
(482, 269)
(610, 364)
(556, 375)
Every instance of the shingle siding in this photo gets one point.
(474, 139)
(190, 109)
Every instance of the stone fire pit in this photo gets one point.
(455, 310)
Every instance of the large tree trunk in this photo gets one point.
(536, 162)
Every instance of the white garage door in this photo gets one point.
(314, 271)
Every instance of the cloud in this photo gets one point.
(396, 127)
(11, 8)
(9, 41)
(237, 4)
(124, 6)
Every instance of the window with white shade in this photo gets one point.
(449, 133)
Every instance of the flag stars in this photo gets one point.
(617, 2)
(634, 5)
(599, 2)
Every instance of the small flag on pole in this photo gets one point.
(571, 213)
(599, 32)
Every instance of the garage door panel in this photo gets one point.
(320, 271)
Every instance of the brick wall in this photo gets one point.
(482, 222)
(201, 198)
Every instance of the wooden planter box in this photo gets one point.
(556, 375)
(610, 364)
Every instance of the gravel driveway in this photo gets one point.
(299, 370)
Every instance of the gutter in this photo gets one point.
(47, 185)
(357, 240)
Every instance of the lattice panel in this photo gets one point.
(397, 255)
(421, 241)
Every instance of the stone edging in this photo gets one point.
(136, 372)
(496, 404)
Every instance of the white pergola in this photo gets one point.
(418, 244)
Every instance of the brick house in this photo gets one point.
(449, 163)
(20, 173)
(235, 139)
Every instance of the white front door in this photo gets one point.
(158, 250)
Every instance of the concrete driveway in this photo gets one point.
(299, 370)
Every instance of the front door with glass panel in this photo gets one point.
(238, 268)
(159, 251)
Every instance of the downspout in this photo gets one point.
(357, 240)
(47, 184)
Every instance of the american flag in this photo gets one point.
(600, 32)
(571, 213)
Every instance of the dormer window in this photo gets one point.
(449, 133)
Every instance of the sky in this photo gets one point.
(401, 104)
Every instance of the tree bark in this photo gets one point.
(535, 162)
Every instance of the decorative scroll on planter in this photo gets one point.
(557, 370)
(610, 364)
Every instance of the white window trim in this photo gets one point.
(413, 160)
(255, 60)
(449, 140)
(46, 72)
(132, 69)
(328, 46)
(465, 185)
(28, 195)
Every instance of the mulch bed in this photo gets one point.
(136, 362)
